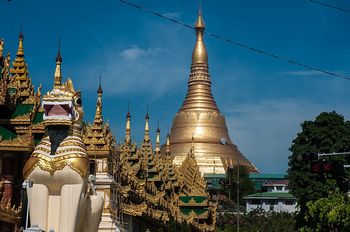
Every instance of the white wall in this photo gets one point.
(279, 207)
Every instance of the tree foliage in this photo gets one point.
(330, 213)
(259, 221)
(246, 185)
(328, 133)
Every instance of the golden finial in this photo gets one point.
(99, 90)
(200, 23)
(128, 126)
(158, 139)
(58, 74)
(20, 51)
(38, 93)
(146, 137)
(98, 116)
(199, 54)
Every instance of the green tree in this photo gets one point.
(328, 133)
(330, 213)
(246, 185)
(260, 221)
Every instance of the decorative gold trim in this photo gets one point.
(79, 163)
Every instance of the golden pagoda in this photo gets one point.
(199, 117)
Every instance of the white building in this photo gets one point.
(275, 197)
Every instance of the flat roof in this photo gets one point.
(213, 175)
(267, 176)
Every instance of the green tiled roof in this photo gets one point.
(6, 134)
(197, 199)
(267, 176)
(213, 175)
(197, 211)
(38, 117)
(22, 109)
(270, 195)
(260, 179)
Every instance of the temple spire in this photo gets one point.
(157, 150)
(99, 90)
(146, 137)
(128, 126)
(199, 55)
(58, 74)
(98, 121)
(20, 51)
(20, 75)
(199, 96)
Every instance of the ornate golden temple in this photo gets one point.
(200, 118)
(142, 187)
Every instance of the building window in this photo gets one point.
(289, 202)
(270, 202)
(256, 202)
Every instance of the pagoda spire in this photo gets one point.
(58, 74)
(199, 54)
(98, 121)
(128, 126)
(20, 50)
(199, 95)
(200, 114)
(157, 150)
(146, 137)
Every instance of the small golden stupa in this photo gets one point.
(200, 118)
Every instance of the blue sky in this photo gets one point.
(145, 60)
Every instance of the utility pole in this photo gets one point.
(237, 185)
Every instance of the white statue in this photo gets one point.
(62, 199)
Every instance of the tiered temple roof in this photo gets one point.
(20, 127)
(98, 137)
(155, 189)
(102, 151)
(20, 80)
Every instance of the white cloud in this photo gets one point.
(135, 52)
(151, 67)
(136, 70)
(173, 15)
(264, 130)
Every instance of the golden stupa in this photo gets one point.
(200, 119)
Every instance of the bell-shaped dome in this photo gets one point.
(200, 118)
